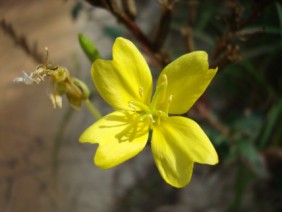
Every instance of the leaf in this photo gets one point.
(89, 48)
(251, 158)
(274, 116)
(243, 179)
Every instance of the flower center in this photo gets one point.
(151, 114)
(146, 113)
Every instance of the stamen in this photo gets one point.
(151, 118)
(132, 106)
(159, 114)
(168, 103)
(140, 105)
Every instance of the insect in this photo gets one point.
(61, 81)
(39, 74)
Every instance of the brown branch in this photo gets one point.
(151, 48)
(147, 45)
(129, 8)
(205, 113)
(112, 7)
(21, 42)
(187, 31)
(163, 26)
(255, 13)
(133, 27)
(226, 50)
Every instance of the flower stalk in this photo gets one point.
(92, 109)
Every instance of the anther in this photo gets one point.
(159, 112)
(151, 118)
(130, 104)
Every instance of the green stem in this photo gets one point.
(92, 109)
(59, 137)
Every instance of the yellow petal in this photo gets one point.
(127, 77)
(177, 143)
(187, 78)
(173, 164)
(120, 136)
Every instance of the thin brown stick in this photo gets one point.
(152, 49)
(21, 41)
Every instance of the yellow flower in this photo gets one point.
(126, 84)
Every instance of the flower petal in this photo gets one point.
(120, 137)
(174, 165)
(127, 77)
(177, 143)
(187, 78)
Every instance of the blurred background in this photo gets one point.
(44, 168)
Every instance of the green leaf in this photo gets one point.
(251, 158)
(243, 179)
(273, 118)
(88, 47)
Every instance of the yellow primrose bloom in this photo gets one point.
(126, 84)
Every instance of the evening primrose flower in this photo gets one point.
(126, 84)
